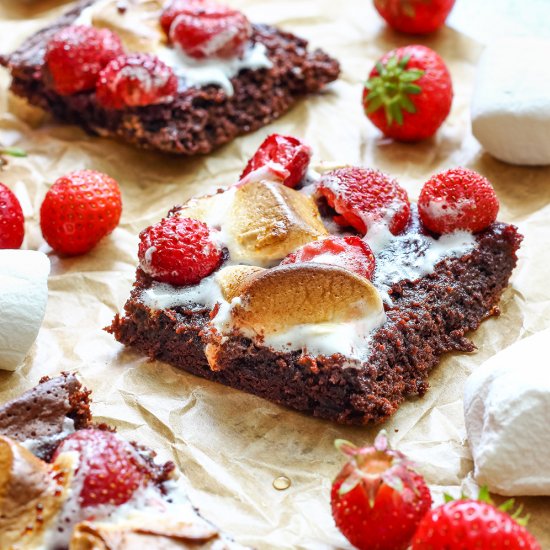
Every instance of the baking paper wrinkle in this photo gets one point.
(231, 445)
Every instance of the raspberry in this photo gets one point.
(135, 80)
(458, 199)
(285, 156)
(76, 54)
(110, 469)
(179, 251)
(206, 29)
(362, 196)
(79, 210)
(12, 222)
(351, 253)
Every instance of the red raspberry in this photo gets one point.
(79, 210)
(135, 80)
(76, 54)
(351, 253)
(12, 222)
(110, 469)
(362, 196)
(179, 251)
(285, 156)
(206, 29)
(458, 199)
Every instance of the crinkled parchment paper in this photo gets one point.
(231, 445)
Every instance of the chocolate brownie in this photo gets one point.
(41, 499)
(427, 313)
(199, 119)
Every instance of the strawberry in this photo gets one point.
(12, 222)
(205, 30)
(409, 93)
(351, 253)
(76, 54)
(79, 210)
(135, 80)
(471, 524)
(457, 199)
(362, 197)
(377, 498)
(284, 156)
(108, 468)
(414, 16)
(179, 251)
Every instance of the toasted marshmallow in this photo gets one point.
(260, 222)
(157, 532)
(137, 26)
(233, 278)
(31, 494)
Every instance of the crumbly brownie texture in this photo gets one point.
(199, 119)
(40, 412)
(429, 317)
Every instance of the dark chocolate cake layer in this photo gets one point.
(41, 413)
(198, 120)
(428, 317)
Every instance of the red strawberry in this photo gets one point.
(378, 499)
(362, 196)
(79, 210)
(351, 253)
(457, 199)
(12, 222)
(284, 156)
(179, 251)
(414, 16)
(135, 80)
(473, 524)
(409, 93)
(76, 54)
(207, 29)
(109, 468)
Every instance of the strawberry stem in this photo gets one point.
(392, 87)
(13, 152)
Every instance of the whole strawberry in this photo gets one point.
(79, 210)
(414, 16)
(179, 251)
(109, 470)
(409, 93)
(285, 157)
(12, 222)
(351, 253)
(205, 29)
(363, 197)
(378, 499)
(76, 54)
(135, 80)
(457, 199)
(472, 525)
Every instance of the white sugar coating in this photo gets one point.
(511, 105)
(441, 207)
(506, 409)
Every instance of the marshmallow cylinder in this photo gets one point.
(23, 298)
(511, 104)
(507, 409)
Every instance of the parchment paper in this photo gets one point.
(230, 445)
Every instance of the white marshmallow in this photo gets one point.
(23, 298)
(511, 105)
(507, 410)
